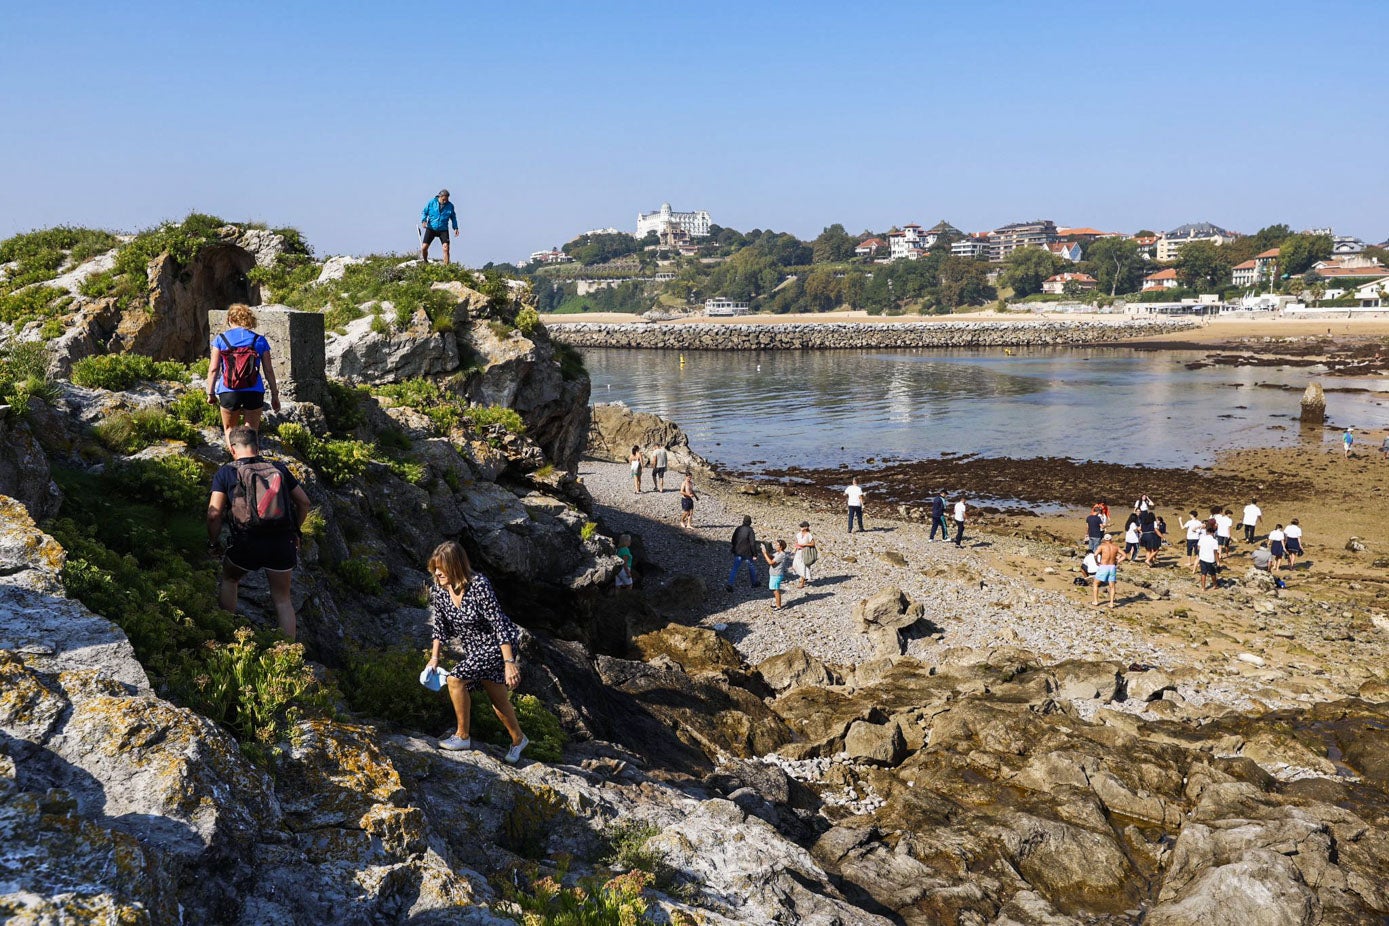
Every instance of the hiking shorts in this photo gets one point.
(1208, 569)
(774, 581)
(242, 401)
(432, 233)
(271, 552)
(1190, 547)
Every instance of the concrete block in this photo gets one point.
(296, 347)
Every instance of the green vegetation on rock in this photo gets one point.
(40, 256)
(116, 372)
(24, 376)
(131, 432)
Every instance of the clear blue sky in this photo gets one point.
(547, 119)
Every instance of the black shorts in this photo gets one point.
(686, 503)
(271, 552)
(1207, 569)
(1224, 541)
(1190, 547)
(431, 233)
(243, 401)
(658, 472)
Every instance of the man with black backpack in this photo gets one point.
(265, 507)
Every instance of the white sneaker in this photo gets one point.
(455, 743)
(513, 755)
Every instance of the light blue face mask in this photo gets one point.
(433, 679)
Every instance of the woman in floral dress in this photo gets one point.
(463, 609)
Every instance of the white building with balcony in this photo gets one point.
(694, 224)
(722, 306)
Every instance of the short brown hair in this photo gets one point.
(244, 436)
(451, 559)
(239, 315)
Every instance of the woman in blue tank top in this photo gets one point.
(240, 370)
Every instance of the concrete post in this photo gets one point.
(296, 347)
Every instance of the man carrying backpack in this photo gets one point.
(265, 507)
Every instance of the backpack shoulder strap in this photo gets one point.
(222, 342)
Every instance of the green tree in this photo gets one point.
(1298, 253)
(1115, 264)
(833, 245)
(1026, 268)
(1202, 266)
(963, 282)
(599, 248)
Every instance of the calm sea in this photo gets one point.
(759, 411)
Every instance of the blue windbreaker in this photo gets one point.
(439, 216)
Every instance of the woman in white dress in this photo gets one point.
(805, 540)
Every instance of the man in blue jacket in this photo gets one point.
(435, 218)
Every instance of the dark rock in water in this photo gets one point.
(1313, 405)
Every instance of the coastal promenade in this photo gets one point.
(803, 333)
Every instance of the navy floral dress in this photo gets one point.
(478, 626)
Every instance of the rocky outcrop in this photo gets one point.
(1313, 405)
(24, 470)
(847, 335)
(890, 620)
(369, 351)
(615, 429)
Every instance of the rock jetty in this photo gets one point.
(876, 335)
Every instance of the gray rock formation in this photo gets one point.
(362, 355)
(887, 618)
(616, 429)
(1313, 405)
(24, 470)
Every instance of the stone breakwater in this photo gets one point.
(848, 335)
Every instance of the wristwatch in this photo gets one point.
(512, 662)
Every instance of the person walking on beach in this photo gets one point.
(1094, 529)
(1148, 537)
(960, 521)
(265, 507)
(658, 460)
(744, 548)
(687, 501)
(1207, 554)
(778, 564)
(1193, 528)
(1224, 521)
(1276, 548)
(855, 495)
(240, 372)
(806, 554)
(1348, 441)
(435, 218)
(634, 460)
(463, 610)
(1108, 556)
(938, 517)
(1131, 537)
(1252, 513)
(1292, 543)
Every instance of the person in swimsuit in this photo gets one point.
(1108, 556)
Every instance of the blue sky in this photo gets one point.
(546, 119)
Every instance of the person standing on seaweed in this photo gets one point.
(234, 373)
(435, 218)
(464, 611)
(938, 517)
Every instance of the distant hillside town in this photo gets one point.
(682, 262)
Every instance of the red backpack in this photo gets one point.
(240, 365)
(260, 500)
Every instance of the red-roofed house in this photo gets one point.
(1066, 250)
(1057, 285)
(1261, 268)
(869, 246)
(1163, 279)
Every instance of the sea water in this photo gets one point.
(761, 411)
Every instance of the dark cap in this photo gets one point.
(805, 524)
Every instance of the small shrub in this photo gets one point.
(256, 692)
(343, 407)
(588, 531)
(337, 461)
(130, 432)
(619, 901)
(99, 284)
(486, 416)
(571, 361)
(24, 376)
(500, 329)
(381, 683)
(173, 482)
(527, 321)
(116, 372)
(315, 525)
(378, 325)
(27, 305)
(626, 847)
(412, 472)
(542, 727)
(394, 440)
(362, 575)
(193, 407)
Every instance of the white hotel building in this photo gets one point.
(694, 224)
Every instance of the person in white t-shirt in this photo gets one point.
(1131, 537)
(1193, 527)
(960, 521)
(1207, 551)
(1276, 548)
(1252, 512)
(1224, 521)
(1292, 542)
(855, 505)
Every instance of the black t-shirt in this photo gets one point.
(1094, 526)
(1147, 522)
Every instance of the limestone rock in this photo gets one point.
(1260, 580)
(1079, 680)
(873, 742)
(1313, 405)
(334, 268)
(1355, 545)
(793, 668)
(1148, 686)
(745, 870)
(24, 472)
(694, 649)
(172, 324)
(885, 617)
(616, 429)
(361, 355)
